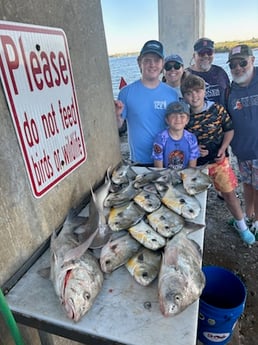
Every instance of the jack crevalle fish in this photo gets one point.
(122, 218)
(181, 280)
(195, 180)
(74, 271)
(117, 252)
(166, 222)
(144, 266)
(147, 236)
(181, 202)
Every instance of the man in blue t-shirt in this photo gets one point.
(143, 103)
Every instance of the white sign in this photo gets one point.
(36, 74)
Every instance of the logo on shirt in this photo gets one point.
(160, 105)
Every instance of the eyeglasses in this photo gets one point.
(169, 66)
(204, 52)
(233, 65)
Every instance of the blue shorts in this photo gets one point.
(249, 172)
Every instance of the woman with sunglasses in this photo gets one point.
(173, 72)
(243, 109)
(216, 78)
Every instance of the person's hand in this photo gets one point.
(203, 151)
(220, 156)
(119, 107)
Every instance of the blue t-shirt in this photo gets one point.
(175, 154)
(144, 111)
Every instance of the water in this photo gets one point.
(127, 68)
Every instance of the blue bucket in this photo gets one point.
(221, 304)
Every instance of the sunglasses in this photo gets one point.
(203, 53)
(176, 66)
(233, 65)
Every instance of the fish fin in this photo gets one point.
(77, 252)
(190, 227)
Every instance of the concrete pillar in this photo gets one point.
(181, 23)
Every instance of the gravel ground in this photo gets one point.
(223, 247)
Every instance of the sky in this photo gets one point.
(130, 23)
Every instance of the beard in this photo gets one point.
(244, 78)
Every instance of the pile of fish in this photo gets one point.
(141, 221)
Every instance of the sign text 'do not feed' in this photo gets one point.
(36, 74)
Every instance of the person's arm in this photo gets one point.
(192, 163)
(158, 164)
(119, 107)
(228, 136)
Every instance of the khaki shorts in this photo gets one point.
(223, 176)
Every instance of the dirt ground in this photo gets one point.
(223, 247)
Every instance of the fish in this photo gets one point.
(123, 217)
(147, 236)
(122, 173)
(166, 222)
(74, 271)
(143, 179)
(122, 197)
(117, 252)
(144, 266)
(195, 180)
(96, 221)
(181, 202)
(181, 280)
(148, 201)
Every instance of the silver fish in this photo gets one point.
(122, 173)
(144, 266)
(181, 202)
(122, 197)
(143, 179)
(75, 273)
(122, 218)
(181, 280)
(166, 222)
(147, 201)
(195, 180)
(117, 252)
(148, 237)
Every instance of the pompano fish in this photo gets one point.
(181, 280)
(144, 266)
(75, 273)
(181, 202)
(122, 218)
(148, 237)
(117, 252)
(122, 173)
(142, 180)
(195, 180)
(165, 221)
(122, 197)
(147, 201)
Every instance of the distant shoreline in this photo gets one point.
(220, 47)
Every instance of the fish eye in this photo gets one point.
(86, 295)
(182, 201)
(145, 275)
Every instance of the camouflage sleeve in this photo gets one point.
(226, 121)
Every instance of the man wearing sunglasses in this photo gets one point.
(216, 78)
(243, 109)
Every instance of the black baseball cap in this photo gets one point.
(154, 47)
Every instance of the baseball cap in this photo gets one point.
(203, 44)
(174, 58)
(240, 51)
(153, 47)
(177, 107)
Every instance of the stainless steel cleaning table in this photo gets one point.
(123, 313)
